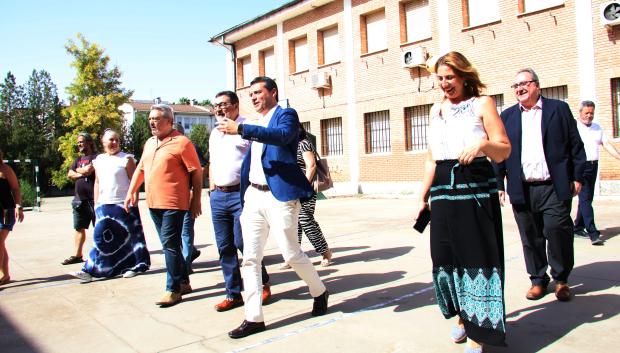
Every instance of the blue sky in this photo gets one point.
(161, 47)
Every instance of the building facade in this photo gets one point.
(354, 71)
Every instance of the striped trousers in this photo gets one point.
(307, 224)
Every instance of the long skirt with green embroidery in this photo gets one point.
(467, 248)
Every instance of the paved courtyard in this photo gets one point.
(381, 300)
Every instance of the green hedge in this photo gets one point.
(29, 193)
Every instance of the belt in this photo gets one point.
(538, 182)
(260, 187)
(592, 162)
(229, 188)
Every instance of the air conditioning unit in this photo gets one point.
(320, 80)
(610, 13)
(414, 57)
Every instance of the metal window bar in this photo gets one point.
(615, 105)
(377, 132)
(557, 92)
(331, 137)
(416, 125)
(499, 102)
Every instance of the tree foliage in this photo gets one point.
(200, 136)
(94, 98)
(184, 101)
(31, 123)
(139, 132)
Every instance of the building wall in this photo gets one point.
(544, 40)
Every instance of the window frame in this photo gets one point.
(364, 32)
(404, 28)
(384, 145)
(415, 142)
(332, 144)
(467, 23)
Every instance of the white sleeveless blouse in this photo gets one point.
(455, 129)
(112, 176)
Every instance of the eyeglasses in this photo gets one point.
(521, 84)
(222, 105)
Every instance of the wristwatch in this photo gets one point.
(240, 129)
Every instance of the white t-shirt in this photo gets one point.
(592, 137)
(257, 174)
(112, 176)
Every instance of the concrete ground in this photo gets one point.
(381, 300)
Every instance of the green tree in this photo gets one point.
(184, 100)
(200, 136)
(139, 132)
(11, 103)
(94, 98)
(205, 103)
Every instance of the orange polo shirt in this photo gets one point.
(167, 166)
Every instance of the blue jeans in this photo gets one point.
(585, 213)
(225, 212)
(169, 224)
(187, 237)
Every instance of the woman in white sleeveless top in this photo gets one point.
(119, 244)
(460, 188)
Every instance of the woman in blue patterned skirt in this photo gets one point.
(460, 188)
(119, 244)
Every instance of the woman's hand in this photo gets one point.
(421, 206)
(471, 152)
(19, 214)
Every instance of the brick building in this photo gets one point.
(354, 71)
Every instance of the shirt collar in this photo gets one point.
(538, 105)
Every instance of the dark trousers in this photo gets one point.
(546, 231)
(585, 212)
(169, 225)
(225, 212)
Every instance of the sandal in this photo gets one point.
(327, 258)
(5, 280)
(72, 260)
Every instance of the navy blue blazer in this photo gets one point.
(562, 145)
(284, 177)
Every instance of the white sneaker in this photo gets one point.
(130, 274)
(85, 277)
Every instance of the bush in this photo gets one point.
(29, 193)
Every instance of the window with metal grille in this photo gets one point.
(306, 126)
(377, 132)
(557, 92)
(499, 102)
(331, 137)
(615, 104)
(416, 124)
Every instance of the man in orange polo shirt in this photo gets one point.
(172, 175)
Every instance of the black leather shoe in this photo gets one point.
(320, 304)
(247, 328)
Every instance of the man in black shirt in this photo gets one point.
(82, 173)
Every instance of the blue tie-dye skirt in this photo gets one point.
(119, 244)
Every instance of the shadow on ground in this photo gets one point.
(11, 338)
(539, 326)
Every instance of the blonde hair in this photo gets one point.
(464, 69)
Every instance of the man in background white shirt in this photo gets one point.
(592, 136)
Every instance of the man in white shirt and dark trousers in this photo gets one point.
(271, 186)
(593, 137)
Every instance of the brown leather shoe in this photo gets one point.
(536, 292)
(229, 303)
(185, 288)
(169, 299)
(562, 291)
(266, 292)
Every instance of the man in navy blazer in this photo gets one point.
(544, 171)
(271, 185)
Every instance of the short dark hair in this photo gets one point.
(586, 104)
(232, 96)
(269, 83)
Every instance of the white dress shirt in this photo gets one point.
(226, 154)
(592, 137)
(257, 174)
(533, 162)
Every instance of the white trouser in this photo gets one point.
(263, 215)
